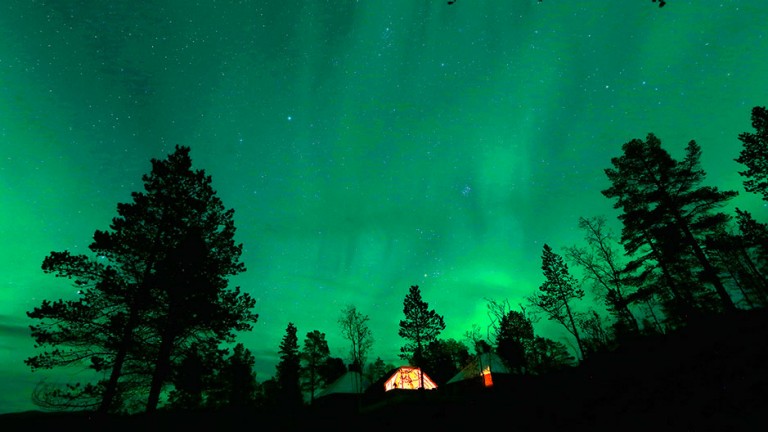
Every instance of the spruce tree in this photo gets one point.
(237, 386)
(288, 374)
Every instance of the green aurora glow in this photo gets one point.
(365, 146)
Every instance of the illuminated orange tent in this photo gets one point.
(408, 378)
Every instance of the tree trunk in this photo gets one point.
(659, 327)
(625, 312)
(756, 273)
(735, 278)
(126, 343)
(685, 300)
(127, 340)
(575, 330)
(161, 371)
(709, 271)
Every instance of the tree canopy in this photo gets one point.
(420, 327)
(354, 328)
(754, 154)
(314, 356)
(288, 369)
(665, 206)
(155, 285)
(557, 292)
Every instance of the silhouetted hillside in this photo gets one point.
(710, 375)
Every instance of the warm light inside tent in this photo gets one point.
(408, 378)
(487, 379)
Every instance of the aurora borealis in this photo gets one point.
(365, 146)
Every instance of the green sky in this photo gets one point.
(366, 146)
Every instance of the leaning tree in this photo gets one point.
(666, 209)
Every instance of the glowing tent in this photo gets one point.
(482, 367)
(408, 378)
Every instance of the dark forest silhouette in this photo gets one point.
(680, 341)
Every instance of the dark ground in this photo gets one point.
(710, 376)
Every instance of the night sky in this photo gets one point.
(365, 146)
